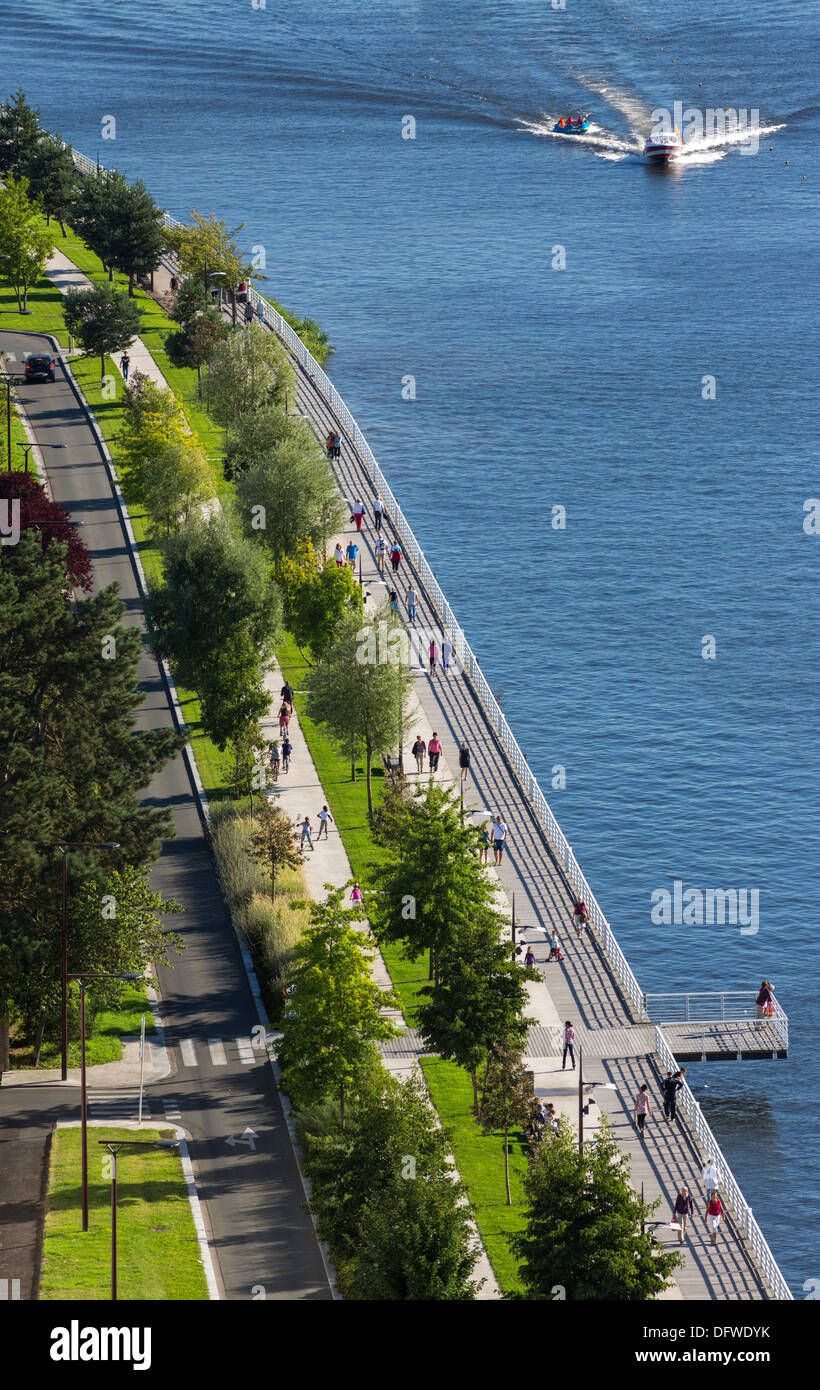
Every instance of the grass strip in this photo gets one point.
(157, 1249)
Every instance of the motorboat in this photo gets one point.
(571, 125)
(662, 147)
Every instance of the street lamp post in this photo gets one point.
(28, 448)
(83, 1087)
(69, 844)
(114, 1147)
(590, 1086)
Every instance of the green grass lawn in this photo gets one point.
(104, 1041)
(157, 1250)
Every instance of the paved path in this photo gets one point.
(65, 276)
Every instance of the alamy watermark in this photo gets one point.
(694, 124)
(692, 907)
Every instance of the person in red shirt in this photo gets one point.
(714, 1216)
(580, 915)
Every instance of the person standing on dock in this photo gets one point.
(378, 512)
(498, 835)
(358, 513)
(569, 1045)
(671, 1086)
(684, 1208)
(395, 557)
(764, 1003)
(641, 1108)
(714, 1215)
(711, 1177)
(411, 604)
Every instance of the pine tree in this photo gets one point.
(20, 135)
(138, 234)
(54, 179)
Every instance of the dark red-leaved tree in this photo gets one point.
(38, 513)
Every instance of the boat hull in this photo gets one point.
(662, 154)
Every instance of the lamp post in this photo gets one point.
(590, 1086)
(69, 844)
(7, 377)
(83, 1087)
(114, 1147)
(28, 448)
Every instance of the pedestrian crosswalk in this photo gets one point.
(122, 1104)
(220, 1052)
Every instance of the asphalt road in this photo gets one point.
(253, 1196)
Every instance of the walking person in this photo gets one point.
(498, 835)
(434, 753)
(684, 1208)
(464, 761)
(351, 552)
(339, 555)
(446, 655)
(381, 553)
(395, 556)
(329, 443)
(378, 512)
(411, 603)
(394, 602)
(433, 654)
(419, 750)
(125, 363)
(307, 834)
(358, 513)
(529, 958)
(569, 1045)
(711, 1177)
(714, 1215)
(641, 1108)
(324, 817)
(275, 758)
(484, 839)
(287, 749)
(356, 894)
(337, 446)
(580, 915)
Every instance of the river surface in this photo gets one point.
(661, 387)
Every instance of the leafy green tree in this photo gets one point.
(20, 135)
(317, 596)
(178, 481)
(25, 241)
(102, 320)
(194, 344)
(414, 1244)
(506, 1100)
(207, 245)
(335, 1015)
(273, 842)
(248, 372)
(480, 998)
(261, 433)
(72, 765)
(584, 1226)
(154, 420)
(289, 495)
(54, 179)
(360, 691)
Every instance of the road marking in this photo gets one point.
(4, 1288)
(247, 1137)
(217, 1052)
(188, 1051)
(246, 1052)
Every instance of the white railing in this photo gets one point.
(729, 1188)
(729, 1006)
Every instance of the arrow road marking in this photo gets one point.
(250, 1140)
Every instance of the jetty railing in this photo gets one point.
(729, 1188)
(266, 314)
(702, 1006)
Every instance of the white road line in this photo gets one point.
(246, 1052)
(188, 1051)
(217, 1052)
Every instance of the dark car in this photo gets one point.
(39, 367)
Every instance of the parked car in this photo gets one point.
(39, 367)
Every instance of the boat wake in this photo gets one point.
(606, 144)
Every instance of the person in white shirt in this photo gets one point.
(358, 513)
(498, 834)
(324, 817)
(446, 654)
(711, 1177)
(378, 512)
(381, 553)
(340, 555)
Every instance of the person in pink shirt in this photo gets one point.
(355, 894)
(434, 753)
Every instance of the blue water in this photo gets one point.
(538, 387)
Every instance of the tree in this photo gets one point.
(261, 433)
(414, 1244)
(317, 595)
(480, 998)
(288, 495)
(207, 245)
(96, 215)
(154, 420)
(248, 372)
(138, 234)
(191, 298)
(72, 765)
(584, 1225)
(232, 694)
(102, 319)
(20, 135)
(194, 344)
(39, 513)
(25, 241)
(359, 693)
(334, 1015)
(274, 844)
(507, 1097)
(54, 179)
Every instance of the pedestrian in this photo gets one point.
(464, 761)
(174, 284)
(419, 750)
(484, 838)
(434, 753)
(711, 1177)
(287, 694)
(714, 1215)
(356, 894)
(764, 1003)
(378, 512)
(395, 557)
(569, 1045)
(498, 835)
(339, 554)
(275, 758)
(337, 446)
(446, 654)
(671, 1086)
(125, 363)
(381, 553)
(287, 749)
(352, 552)
(394, 601)
(433, 655)
(529, 958)
(329, 442)
(324, 817)
(358, 513)
(306, 834)
(411, 604)
(684, 1208)
(642, 1108)
(555, 948)
(580, 915)
(249, 313)
(284, 718)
